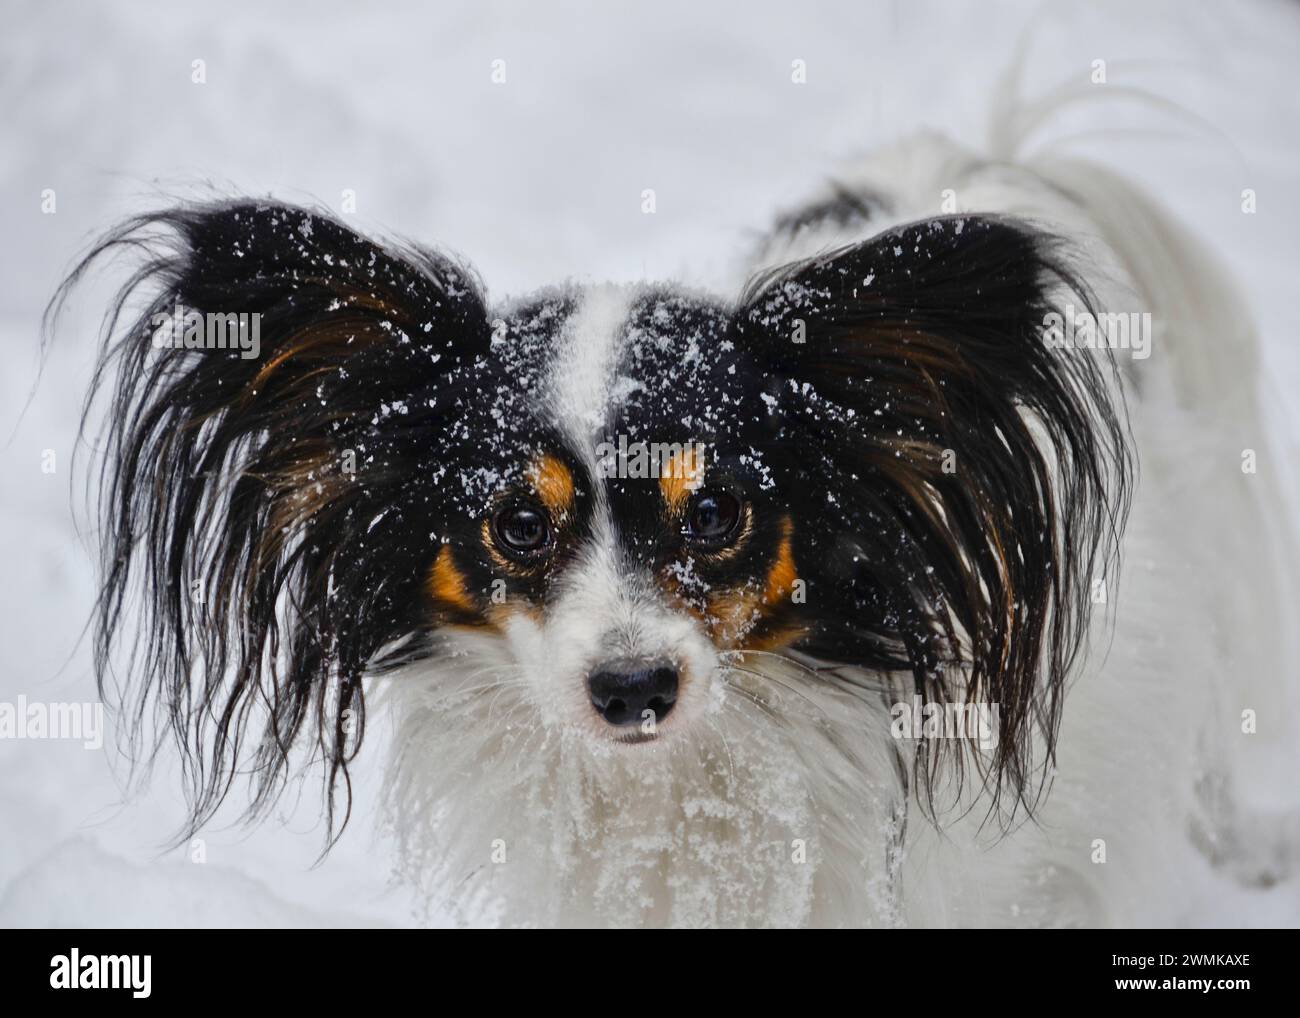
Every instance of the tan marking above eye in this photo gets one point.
(681, 475)
(553, 483)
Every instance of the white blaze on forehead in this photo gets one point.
(603, 608)
(582, 376)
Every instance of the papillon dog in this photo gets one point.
(797, 606)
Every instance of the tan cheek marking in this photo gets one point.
(723, 615)
(782, 575)
(735, 613)
(692, 606)
(732, 615)
(501, 615)
(682, 474)
(780, 585)
(553, 483)
(447, 583)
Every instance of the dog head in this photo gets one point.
(870, 459)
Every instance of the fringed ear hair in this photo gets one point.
(972, 478)
(269, 411)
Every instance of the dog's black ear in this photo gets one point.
(965, 478)
(262, 497)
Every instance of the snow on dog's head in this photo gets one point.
(631, 560)
(628, 540)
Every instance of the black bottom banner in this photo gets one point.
(145, 968)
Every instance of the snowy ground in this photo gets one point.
(533, 180)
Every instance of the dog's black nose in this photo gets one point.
(623, 691)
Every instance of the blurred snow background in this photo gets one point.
(532, 180)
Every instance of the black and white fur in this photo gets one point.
(952, 492)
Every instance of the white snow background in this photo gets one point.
(533, 180)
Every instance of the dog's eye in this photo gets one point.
(714, 518)
(522, 530)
